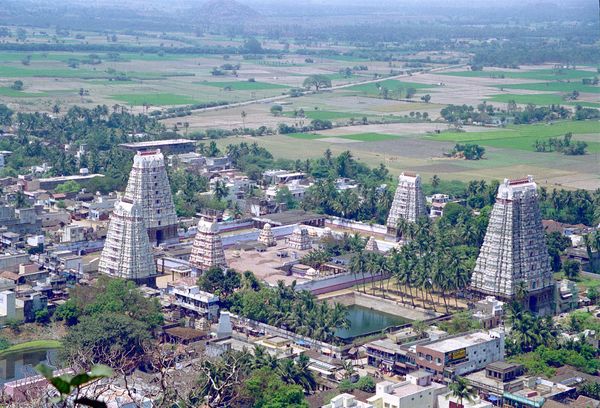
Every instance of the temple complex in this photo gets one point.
(513, 260)
(149, 187)
(207, 250)
(299, 239)
(408, 204)
(127, 251)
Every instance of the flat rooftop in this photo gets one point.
(455, 343)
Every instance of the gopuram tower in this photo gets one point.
(408, 204)
(207, 249)
(149, 187)
(127, 252)
(513, 260)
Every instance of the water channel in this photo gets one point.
(15, 366)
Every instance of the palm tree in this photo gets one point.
(461, 390)
(243, 115)
(221, 190)
(435, 181)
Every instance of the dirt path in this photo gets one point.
(333, 88)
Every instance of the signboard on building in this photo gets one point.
(456, 355)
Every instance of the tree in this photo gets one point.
(461, 390)
(285, 196)
(243, 115)
(426, 98)
(68, 312)
(68, 187)
(276, 110)
(252, 46)
(104, 339)
(265, 388)
(317, 81)
(17, 85)
(221, 190)
(42, 316)
(435, 181)
(571, 269)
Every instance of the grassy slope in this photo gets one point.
(31, 346)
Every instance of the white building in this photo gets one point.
(445, 400)
(418, 391)
(347, 401)
(192, 298)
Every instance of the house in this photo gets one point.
(418, 391)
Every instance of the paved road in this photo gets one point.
(333, 88)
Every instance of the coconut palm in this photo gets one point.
(461, 390)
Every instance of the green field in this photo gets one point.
(541, 99)
(369, 137)
(42, 71)
(554, 87)
(155, 99)
(522, 137)
(243, 85)
(11, 93)
(391, 84)
(539, 74)
(362, 137)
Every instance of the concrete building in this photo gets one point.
(11, 261)
(207, 249)
(201, 303)
(438, 202)
(127, 251)
(347, 401)
(505, 385)
(73, 233)
(418, 391)
(514, 252)
(489, 312)
(282, 176)
(408, 204)
(148, 186)
(461, 354)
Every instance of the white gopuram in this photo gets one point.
(149, 187)
(513, 259)
(266, 236)
(408, 204)
(127, 252)
(207, 249)
(299, 239)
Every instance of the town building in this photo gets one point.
(192, 299)
(408, 204)
(207, 249)
(127, 251)
(438, 202)
(149, 187)
(418, 391)
(505, 385)
(347, 401)
(461, 354)
(489, 312)
(514, 256)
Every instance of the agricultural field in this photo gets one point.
(404, 133)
